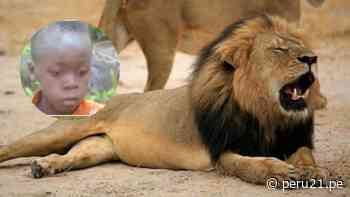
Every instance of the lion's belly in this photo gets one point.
(136, 147)
(157, 130)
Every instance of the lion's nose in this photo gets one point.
(308, 59)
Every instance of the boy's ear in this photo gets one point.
(31, 67)
(31, 71)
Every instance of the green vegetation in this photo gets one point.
(103, 96)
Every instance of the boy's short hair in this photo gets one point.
(51, 36)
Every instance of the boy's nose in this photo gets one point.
(70, 82)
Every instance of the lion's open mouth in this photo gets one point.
(292, 95)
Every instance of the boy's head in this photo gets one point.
(62, 54)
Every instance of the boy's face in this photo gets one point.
(64, 75)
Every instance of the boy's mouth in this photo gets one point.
(71, 101)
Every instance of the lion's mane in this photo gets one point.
(224, 119)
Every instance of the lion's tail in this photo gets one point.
(111, 22)
(54, 139)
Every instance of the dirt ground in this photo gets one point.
(18, 117)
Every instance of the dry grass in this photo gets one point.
(19, 19)
(332, 19)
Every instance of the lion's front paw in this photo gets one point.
(281, 170)
(316, 173)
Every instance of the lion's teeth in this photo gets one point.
(299, 91)
(295, 94)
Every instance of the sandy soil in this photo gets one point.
(18, 117)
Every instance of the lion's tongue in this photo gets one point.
(295, 93)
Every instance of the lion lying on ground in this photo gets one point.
(161, 27)
(249, 112)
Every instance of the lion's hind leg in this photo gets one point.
(88, 152)
(256, 169)
(158, 41)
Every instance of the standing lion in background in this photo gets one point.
(161, 27)
(249, 112)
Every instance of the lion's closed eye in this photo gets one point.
(280, 49)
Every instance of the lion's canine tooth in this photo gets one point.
(299, 91)
(295, 94)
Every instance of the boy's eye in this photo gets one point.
(54, 73)
(83, 72)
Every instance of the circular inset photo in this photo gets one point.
(69, 68)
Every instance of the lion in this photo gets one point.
(161, 27)
(247, 112)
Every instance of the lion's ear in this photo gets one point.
(237, 57)
(229, 59)
(229, 63)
